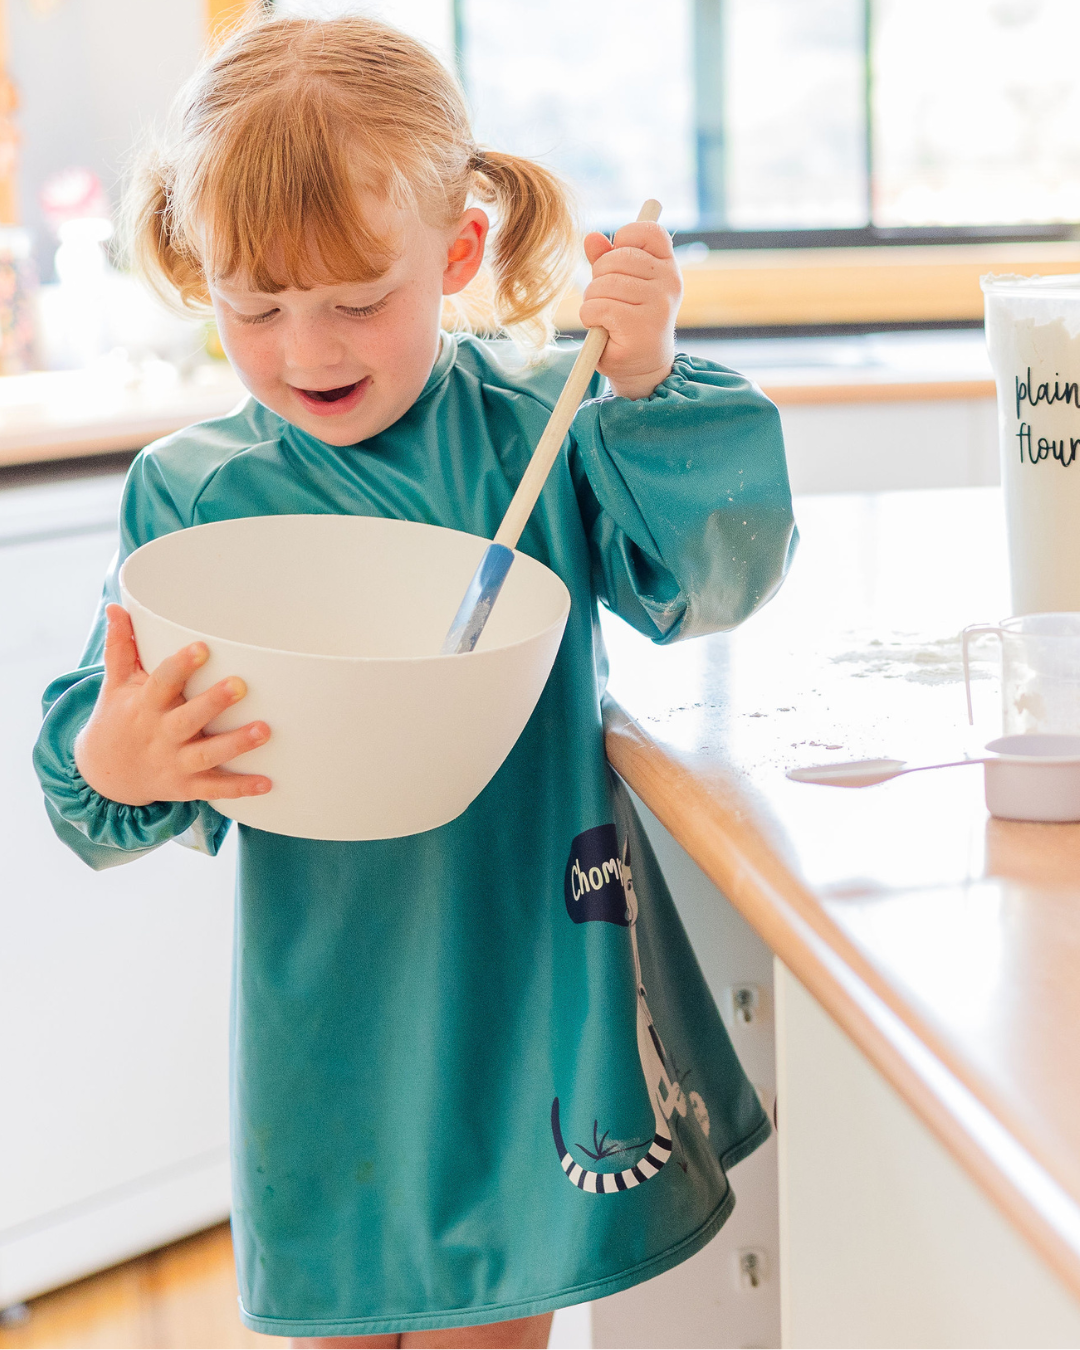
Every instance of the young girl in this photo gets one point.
(476, 1073)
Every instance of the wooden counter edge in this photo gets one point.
(880, 391)
(727, 848)
(77, 448)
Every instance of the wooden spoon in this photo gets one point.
(489, 576)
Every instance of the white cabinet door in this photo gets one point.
(704, 1302)
(884, 1241)
(113, 985)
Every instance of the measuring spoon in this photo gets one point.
(866, 772)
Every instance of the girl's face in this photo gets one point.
(344, 362)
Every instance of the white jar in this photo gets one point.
(1033, 335)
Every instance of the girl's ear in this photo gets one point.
(466, 251)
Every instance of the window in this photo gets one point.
(976, 112)
(618, 113)
(794, 84)
(831, 119)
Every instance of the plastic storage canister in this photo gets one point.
(1033, 334)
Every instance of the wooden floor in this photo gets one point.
(182, 1296)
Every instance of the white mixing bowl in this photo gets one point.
(335, 624)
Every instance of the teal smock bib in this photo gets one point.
(476, 1073)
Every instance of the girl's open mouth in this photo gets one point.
(327, 402)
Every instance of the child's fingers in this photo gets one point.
(616, 312)
(611, 315)
(210, 752)
(191, 717)
(647, 235)
(632, 262)
(619, 287)
(596, 245)
(219, 786)
(121, 655)
(166, 683)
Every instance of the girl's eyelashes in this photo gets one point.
(256, 318)
(362, 313)
(352, 311)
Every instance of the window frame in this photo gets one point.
(709, 136)
(872, 236)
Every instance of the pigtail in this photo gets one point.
(532, 253)
(148, 238)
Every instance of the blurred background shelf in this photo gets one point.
(69, 414)
(938, 432)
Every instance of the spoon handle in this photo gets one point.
(563, 413)
(945, 764)
(867, 772)
(495, 564)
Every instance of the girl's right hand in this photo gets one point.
(145, 743)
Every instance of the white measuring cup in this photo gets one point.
(1040, 672)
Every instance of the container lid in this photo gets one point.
(1010, 284)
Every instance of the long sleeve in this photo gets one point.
(686, 501)
(105, 833)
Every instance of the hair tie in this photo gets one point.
(477, 161)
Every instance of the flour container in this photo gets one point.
(1033, 335)
(335, 624)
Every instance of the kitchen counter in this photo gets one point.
(859, 368)
(56, 415)
(66, 414)
(943, 943)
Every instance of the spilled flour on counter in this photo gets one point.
(922, 661)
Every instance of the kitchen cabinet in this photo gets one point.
(928, 1066)
(113, 985)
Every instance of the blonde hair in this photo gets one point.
(285, 131)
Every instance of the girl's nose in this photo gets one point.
(311, 346)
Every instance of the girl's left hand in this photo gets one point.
(634, 294)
